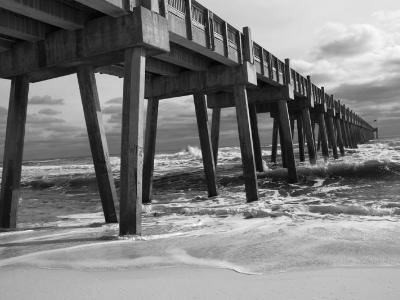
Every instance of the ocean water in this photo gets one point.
(341, 213)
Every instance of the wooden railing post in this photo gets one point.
(262, 61)
(248, 54)
(240, 39)
(164, 8)
(270, 67)
(209, 29)
(287, 76)
(152, 5)
(188, 19)
(225, 38)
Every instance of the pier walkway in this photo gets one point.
(162, 49)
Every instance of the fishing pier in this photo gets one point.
(162, 49)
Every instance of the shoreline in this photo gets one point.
(200, 283)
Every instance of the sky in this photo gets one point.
(352, 47)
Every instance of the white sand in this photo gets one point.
(192, 283)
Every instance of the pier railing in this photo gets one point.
(210, 31)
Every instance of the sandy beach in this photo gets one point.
(199, 283)
(335, 235)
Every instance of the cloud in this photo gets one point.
(338, 40)
(45, 100)
(35, 119)
(360, 64)
(64, 128)
(115, 118)
(3, 112)
(115, 101)
(112, 109)
(49, 112)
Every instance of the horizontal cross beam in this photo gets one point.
(47, 11)
(214, 79)
(20, 27)
(100, 38)
(152, 66)
(265, 95)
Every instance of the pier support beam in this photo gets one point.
(13, 152)
(98, 141)
(150, 149)
(344, 133)
(256, 138)
(132, 142)
(308, 130)
(292, 126)
(332, 135)
(205, 143)
(274, 149)
(287, 140)
(300, 134)
(283, 149)
(246, 142)
(339, 136)
(349, 135)
(215, 128)
(323, 135)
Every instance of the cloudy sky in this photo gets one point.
(352, 47)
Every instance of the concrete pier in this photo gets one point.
(162, 49)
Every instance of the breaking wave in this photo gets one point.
(364, 183)
(372, 169)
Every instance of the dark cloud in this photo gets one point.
(45, 100)
(373, 92)
(49, 112)
(115, 101)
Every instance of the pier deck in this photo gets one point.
(162, 49)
